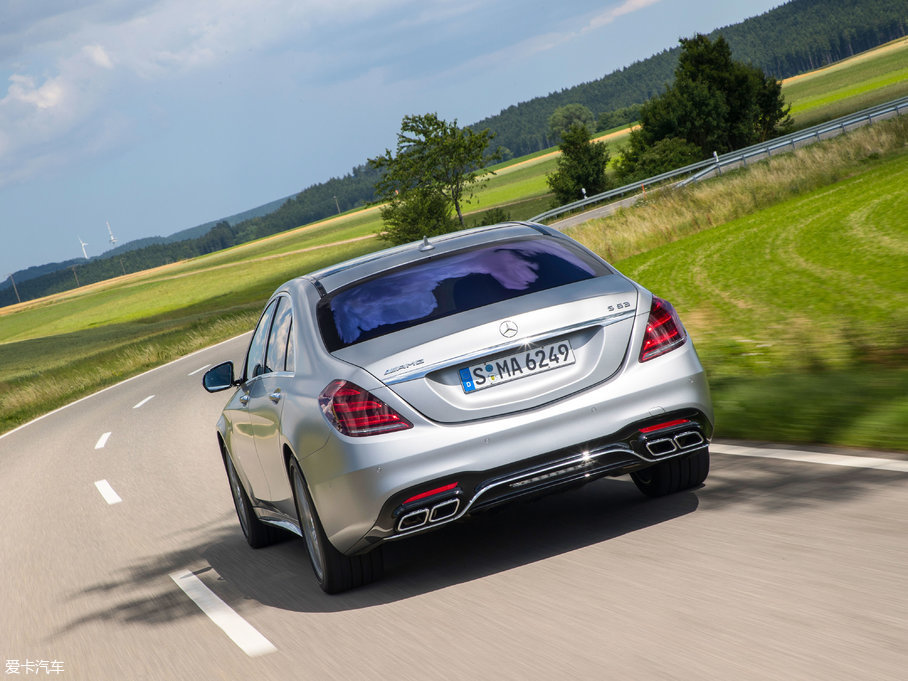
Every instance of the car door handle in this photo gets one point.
(275, 396)
(244, 399)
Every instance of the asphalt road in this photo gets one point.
(777, 568)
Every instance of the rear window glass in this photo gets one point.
(443, 286)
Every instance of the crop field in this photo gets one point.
(738, 294)
(865, 80)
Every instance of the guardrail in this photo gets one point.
(703, 169)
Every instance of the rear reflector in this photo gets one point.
(667, 424)
(357, 412)
(664, 331)
(432, 492)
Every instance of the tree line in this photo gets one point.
(313, 203)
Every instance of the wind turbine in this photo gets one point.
(113, 239)
(83, 248)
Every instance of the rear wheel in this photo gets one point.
(334, 571)
(674, 475)
(257, 533)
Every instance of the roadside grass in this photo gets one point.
(861, 406)
(799, 309)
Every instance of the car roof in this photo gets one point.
(337, 276)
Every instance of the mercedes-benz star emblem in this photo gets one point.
(508, 329)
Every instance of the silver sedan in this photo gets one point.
(401, 391)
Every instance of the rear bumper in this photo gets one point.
(624, 453)
(361, 487)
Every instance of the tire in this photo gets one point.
(334, 571)
(257, 533)
(673, 475)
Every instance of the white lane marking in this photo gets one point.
(102, 441)
(239, 630)
(813, 457)
(128, 380)
(107, 492)
(147, 399)
(198, 371)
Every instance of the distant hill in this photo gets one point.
(30, 273)
(197, 231)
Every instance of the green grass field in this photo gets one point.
(800, 311)
(784, 282)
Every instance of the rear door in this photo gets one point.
(267, 395)
(245, 426)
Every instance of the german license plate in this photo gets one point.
(517, 365)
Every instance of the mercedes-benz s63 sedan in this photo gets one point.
(403, 390)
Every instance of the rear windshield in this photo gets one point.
(443, 286)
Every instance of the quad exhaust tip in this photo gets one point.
(670, 445)
(443, 510)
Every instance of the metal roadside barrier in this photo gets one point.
(703, 169)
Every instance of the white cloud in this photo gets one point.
(75, 63)
(98, 56)
(23, 89)
(627, 7)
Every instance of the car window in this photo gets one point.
(290, 363)
(457, 282)
(255, 356)
(280, 333)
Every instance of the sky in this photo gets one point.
(160, 115)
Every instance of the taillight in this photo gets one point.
(356, 412)
(664, 331)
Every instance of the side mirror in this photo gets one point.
(219, 378)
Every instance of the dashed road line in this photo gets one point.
(813, 457)
(198, 371)
(107, 492)
(143, 402)
(239, 630)
(102, 441)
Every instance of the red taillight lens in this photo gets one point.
(356, 412)
(664, 331)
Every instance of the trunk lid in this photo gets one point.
(508, 356)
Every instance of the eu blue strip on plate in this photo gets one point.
(467, 380)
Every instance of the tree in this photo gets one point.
(566, 117)
(666, 154)
(414, 214)
(580, 167)
(436, 168)
(618, 117)
(715, 103)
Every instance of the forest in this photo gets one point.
(798, 36)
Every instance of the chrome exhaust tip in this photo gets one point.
(689, 439)
(444, 510)
(661, 447)
(412, 520)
